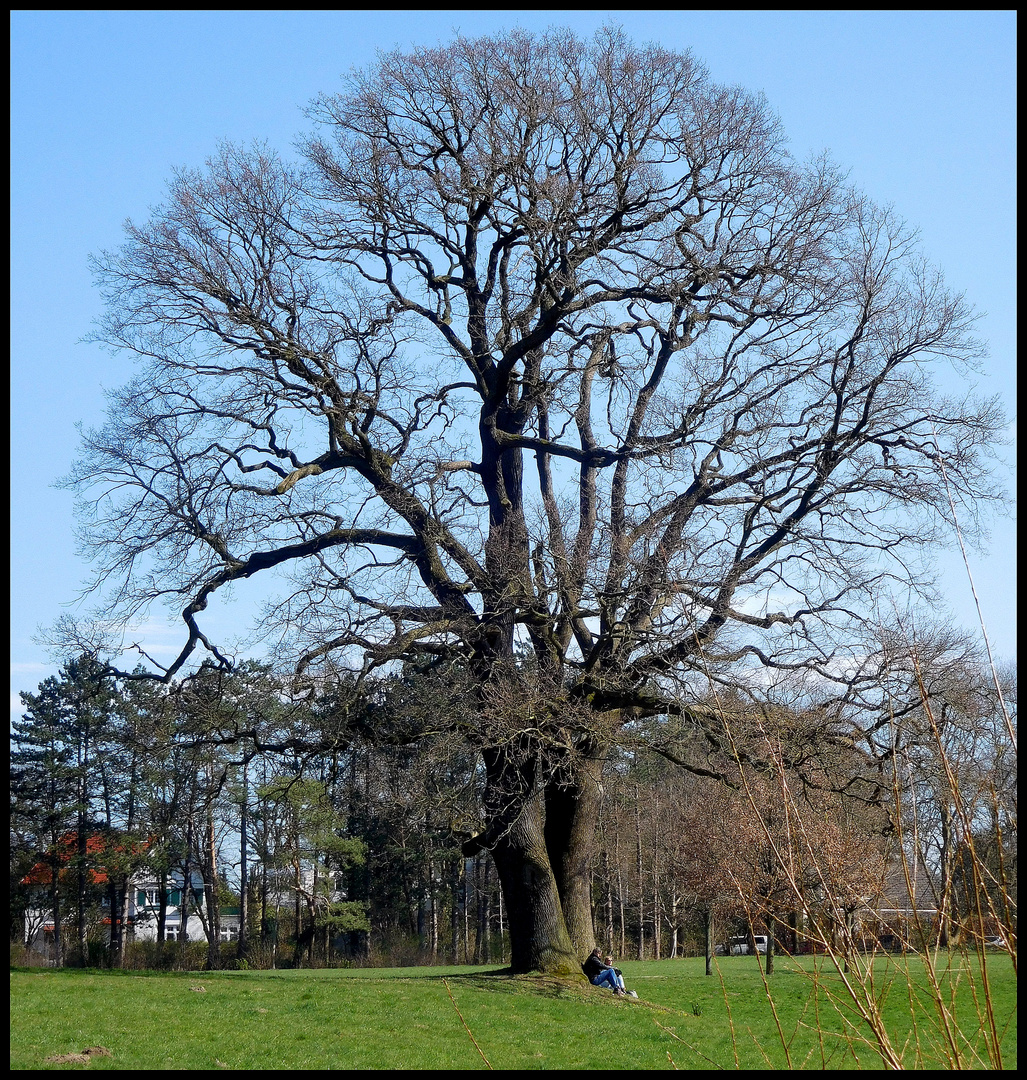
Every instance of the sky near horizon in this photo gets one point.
(917, 107)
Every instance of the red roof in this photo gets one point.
(97, 846)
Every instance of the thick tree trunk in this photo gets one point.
(572, 809)
(541, 839)
(539, 939)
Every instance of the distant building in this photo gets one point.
(142, 914)
(143, 900)
(905, 914)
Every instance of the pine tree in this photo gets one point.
(52, 783)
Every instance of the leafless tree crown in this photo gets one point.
(543, 344)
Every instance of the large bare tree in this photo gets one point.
(545, 361)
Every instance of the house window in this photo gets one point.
(229, 933)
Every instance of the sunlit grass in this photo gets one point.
(405, 1018)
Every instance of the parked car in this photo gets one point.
(742, 946)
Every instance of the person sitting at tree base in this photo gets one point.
(620, 976)
(605, 974)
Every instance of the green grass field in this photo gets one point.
(406, 1019)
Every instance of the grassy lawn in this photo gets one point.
(405, 1018)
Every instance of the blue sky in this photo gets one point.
(918, 107)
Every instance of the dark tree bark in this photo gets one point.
(539, 935)
(572, 810)
(708, 936)
(244, 871)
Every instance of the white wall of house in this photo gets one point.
(144, 926)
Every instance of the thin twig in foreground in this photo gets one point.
(674, 1035)
(466, 1028)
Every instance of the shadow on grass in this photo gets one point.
(492, 980)
(502, 980)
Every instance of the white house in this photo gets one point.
(143, 907)
(144, 898)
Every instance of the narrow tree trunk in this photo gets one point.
(83, 927)
(297, 907)
(126, 897)
(708, 937)
(55, 908)
(162, 906)
(675, 905)
(183, 917)
(620, 911)
(213, 902)
(657, 939)
(850, 939)
(433, 911)
(487, 887)
(479, 911)
(640, 879)
(183, 928)
(113, 906)
(244, 899)
(263, 903)
(84, 761)
(465, 895)
(502, 939)
(608, 879)
(454, 914)
(947, 861)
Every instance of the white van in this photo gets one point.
(739, 946)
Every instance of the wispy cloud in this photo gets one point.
(29, 668)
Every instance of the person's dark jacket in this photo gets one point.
(592, 967)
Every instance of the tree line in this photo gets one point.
(335, 847)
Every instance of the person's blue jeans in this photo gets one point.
(609, 977)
